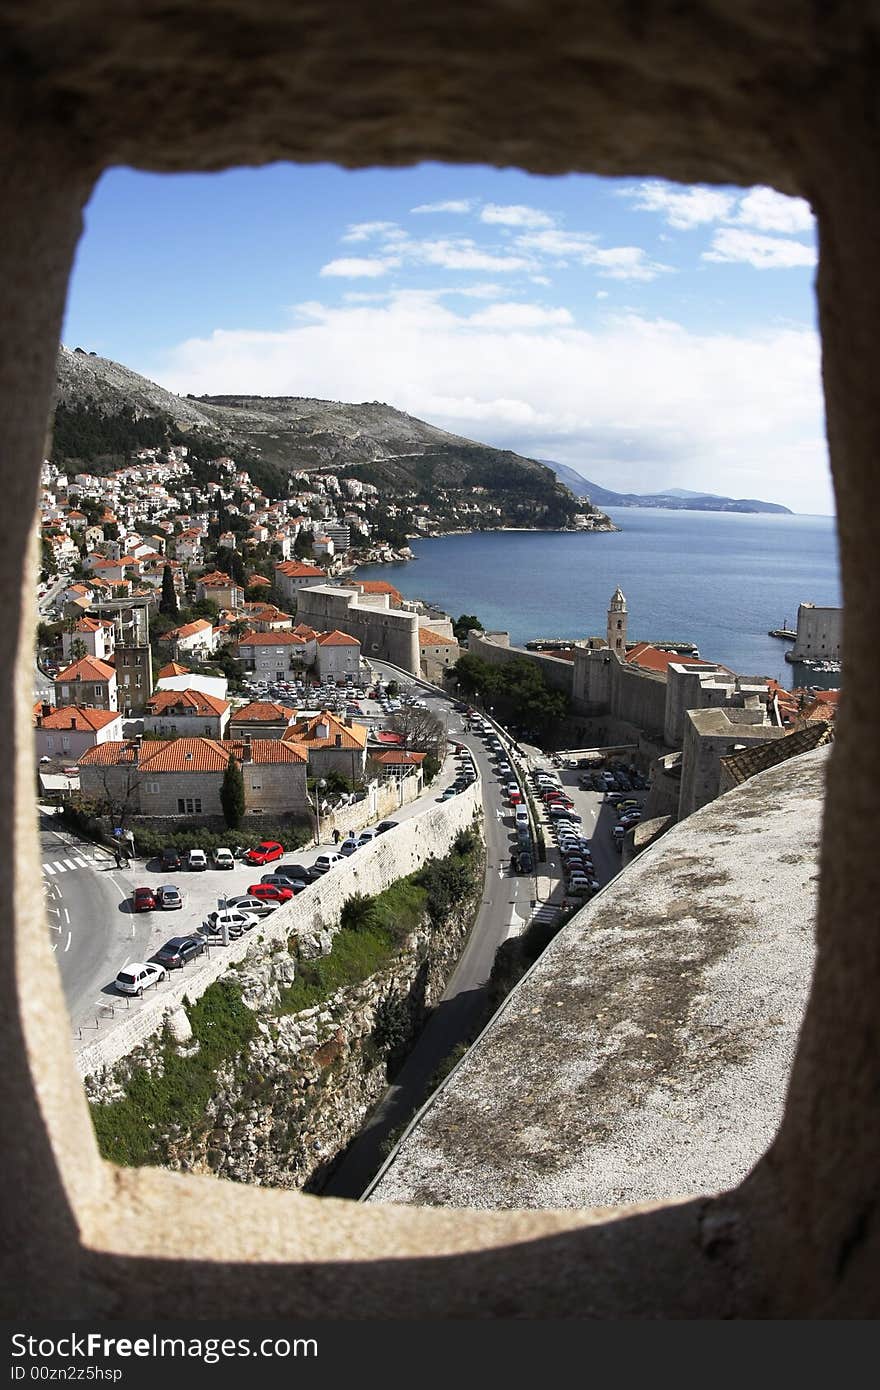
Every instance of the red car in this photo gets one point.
(270, 892)
(264, 853)
(143, 900)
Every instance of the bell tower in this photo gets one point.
(617, 624)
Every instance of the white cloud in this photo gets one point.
(506, 316)
(770, 211)
(640, 401)
(601, 294)
(451, 205)
(762, 252)
(682, 208)
(362, 231)
(461, 254)
(357, 267)
(515, 215)
(613, 262)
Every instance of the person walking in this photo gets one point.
(336, 837)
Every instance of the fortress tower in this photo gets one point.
(617, 624)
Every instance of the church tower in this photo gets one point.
(617, 624)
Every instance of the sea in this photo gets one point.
(720, 580)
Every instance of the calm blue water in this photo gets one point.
(718, 579)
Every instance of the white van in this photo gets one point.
(522, 815)
(197, 859)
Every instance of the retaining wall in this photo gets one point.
(375, 867)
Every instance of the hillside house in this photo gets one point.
(186, 712)
(183, 777)
(87, 683)
(331, 743)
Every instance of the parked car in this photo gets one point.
(143, 900)
(234, 919)
(298, 872)
(284, 881)
(222, 859)
(349, 847)
(525, 861)
(274, 892)
(324, 862)
(386, 825)
(137, 976)
(197, 860)
(176, 952)
(170, 858)
(168, 896)
(246, 902)
(366, 837)
(264, 852)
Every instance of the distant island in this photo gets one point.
(674, 499)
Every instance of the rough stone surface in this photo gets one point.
(178, 1026)
(646, 1055)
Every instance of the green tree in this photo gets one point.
(359, 913)
(462, 627)
(168, 602)
(234, 566)
(47, 558)
(78, 649)
(232, 794)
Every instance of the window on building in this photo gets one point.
(153, 789)
(181, 805)
(256, 784)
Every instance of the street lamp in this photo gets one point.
(319, 788)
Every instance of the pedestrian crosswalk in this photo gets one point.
(547, 913)
(61, 866)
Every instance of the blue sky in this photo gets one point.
(647, 334)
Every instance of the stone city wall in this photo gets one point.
(384, 633)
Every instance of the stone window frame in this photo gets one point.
(781, 96)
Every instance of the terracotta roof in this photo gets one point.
(337, 639)
(190, 700)
(294, 569)
(377, 586)
(262, 712)
(172, 668)
(653, 659)
(216, 579)
(280, 638)
(260, 579)
(189, 629)
(73, 717)
(192, 754)
(88, 668)
(87, 624)
(429, 638)
(392, 759)
(741, 766)
(304, 731)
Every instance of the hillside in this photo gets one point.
(102, 408)
(674, 499)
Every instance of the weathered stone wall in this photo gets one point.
(557, 673)
(384, 633)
